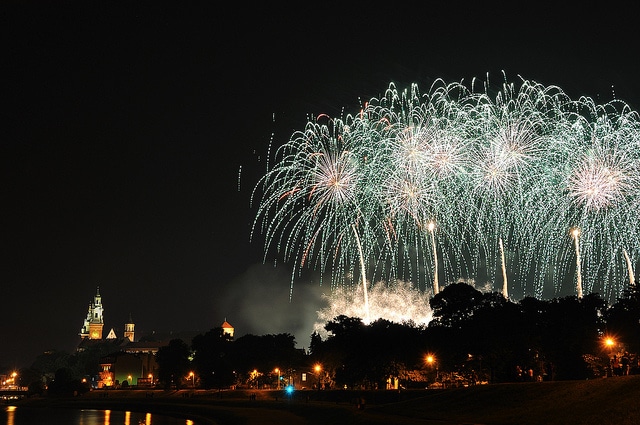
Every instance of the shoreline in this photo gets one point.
(604, 401)
(231, 407)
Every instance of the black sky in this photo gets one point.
(125, 125)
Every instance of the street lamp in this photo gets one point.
(318, 368)
(193, 379)
(609, 342)
(278, 384)
(254, 378)
(431, 361)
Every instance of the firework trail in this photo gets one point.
(504, 173)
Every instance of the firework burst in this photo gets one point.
(462, 184)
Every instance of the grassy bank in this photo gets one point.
(607, 401)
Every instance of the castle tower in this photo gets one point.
(227, 328)
(94, 322)
(129, 331)
(84, 331)
(97, 319)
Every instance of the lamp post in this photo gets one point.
(431, 361)
(193, 379)
(318, 369)
(609, 343)
(278, 372)
(254, 377)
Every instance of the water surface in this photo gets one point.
(17, 415)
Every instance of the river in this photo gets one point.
(18, 415)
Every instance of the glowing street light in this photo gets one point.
(431, 361)
(254, 378)
(318, 368)
(193, 379)
(278, 372)
(610, 343)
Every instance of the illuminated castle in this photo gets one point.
(94, 322)
(130, 361)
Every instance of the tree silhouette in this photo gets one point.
(213, 358)
(173, 363)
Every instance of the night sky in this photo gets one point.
(125, 125)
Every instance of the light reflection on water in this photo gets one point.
(12, 415)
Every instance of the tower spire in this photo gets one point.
(129, 329)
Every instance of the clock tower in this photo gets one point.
(94, 322)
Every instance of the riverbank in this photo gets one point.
(608, 401)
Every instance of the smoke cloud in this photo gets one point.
(258, 302)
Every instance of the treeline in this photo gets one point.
(473, 336)
(479, 336)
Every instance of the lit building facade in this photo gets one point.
(94, 322)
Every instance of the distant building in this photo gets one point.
(92, 329)
(131, 361)
(139, 369)
(227, 328)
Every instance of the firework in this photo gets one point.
(399, 302)
(504, 172)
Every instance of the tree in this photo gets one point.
(574, 327)
(623, 319)
(496, 334)
(455, 304)
(213, 358)
(367, 355)
(66, 383)
(173, 363)
(266, 353)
